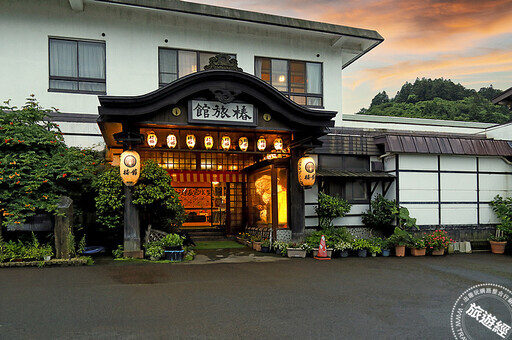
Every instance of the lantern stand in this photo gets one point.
(131, 213)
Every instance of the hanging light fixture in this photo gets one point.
(262, 143)
(152, 139)
(191, 141)
(172, 141)
(208, 142)
(243, 143)
(129, 167)
(278, 144)
(226, 142)
(306, 171)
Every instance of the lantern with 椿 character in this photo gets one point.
(278, 144)
(243, 143)
(306, 171)
(191, 141)
(262, 143)
(172, 141)
(208, 142)
(129, 166)
(152, 139)
(225, 142)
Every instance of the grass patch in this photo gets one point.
(201, 245)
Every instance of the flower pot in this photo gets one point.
(174, 255)
(362, 252)
(400, 251)
(374, 254)
(265, 249)
(498, 247)
(256, 246)
(329, 252)
(47, 257)
(418, 251)
(438, 252)
(386, 252)
(344, 253)
(296, 252)
(278, 251)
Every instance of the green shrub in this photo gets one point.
(329, 208)
(382, 215)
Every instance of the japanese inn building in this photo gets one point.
(228, 101)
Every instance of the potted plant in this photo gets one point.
(343, 247)
(47, 252)
(386, 251)
(498, 244)
(400, 239)
(154, 250)
(172, 242)
(375, 246)
(382, 215)
(361, 245)
(296, 250)
(280, 247)
(418, 247)
(256, 243)
(265, 246)
(502, 207)
(437, 242)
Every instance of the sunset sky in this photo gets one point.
(467, 41)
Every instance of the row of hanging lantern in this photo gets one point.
(225, 142)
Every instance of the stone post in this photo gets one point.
(131, 226)
(63, 223)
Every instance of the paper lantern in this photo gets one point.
(172, 141)
(191, 141)
(306, 171)
(225, 142)
(208, 142)
(152, 139)
(262, 143)
(243, 143)
(278, 144)
(129, 166)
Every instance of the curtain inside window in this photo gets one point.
(91, 60)
(187, 62)
(63, 58)
(280, 74)
(314, 75)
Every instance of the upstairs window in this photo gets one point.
(77, 66)
(299, 80)
(174, 64)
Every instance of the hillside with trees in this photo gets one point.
(440, 99)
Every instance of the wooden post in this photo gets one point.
(131, 226)
(296, 201)
(63, 222)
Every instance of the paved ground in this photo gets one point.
(351, 298)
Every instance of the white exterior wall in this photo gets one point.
(456, 188)
(132, 37)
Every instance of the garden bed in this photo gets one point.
(55, 262)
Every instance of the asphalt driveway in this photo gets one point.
(351, 298)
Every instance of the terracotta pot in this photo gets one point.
(256, 246)
(498, 247)
(438, 252)
(400, 251)
(418, 251)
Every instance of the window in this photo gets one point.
(299, 80)
(77, 66)
(174, 64)
(349, 163)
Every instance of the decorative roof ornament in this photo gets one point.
(223, 62)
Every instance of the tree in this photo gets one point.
(380, 98)
(329, 208)
(153, 194)
(36, 167)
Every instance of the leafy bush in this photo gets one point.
(329, 208)
(382, 215)
(332, 237)
(170, 240)
(361, 243)
(400, 237)
(502, 207)
(31, 250)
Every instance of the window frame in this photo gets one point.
(290, 94)
(198, 61)
(77, 79)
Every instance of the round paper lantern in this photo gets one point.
(191, 141)
(172, 141)
(262, 143)
(306, 171)
(225, 142)
(129, 166)
(243, 143)
(152, 139)
(208, 142)
(278, 144)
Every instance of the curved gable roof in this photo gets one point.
(113, 108)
